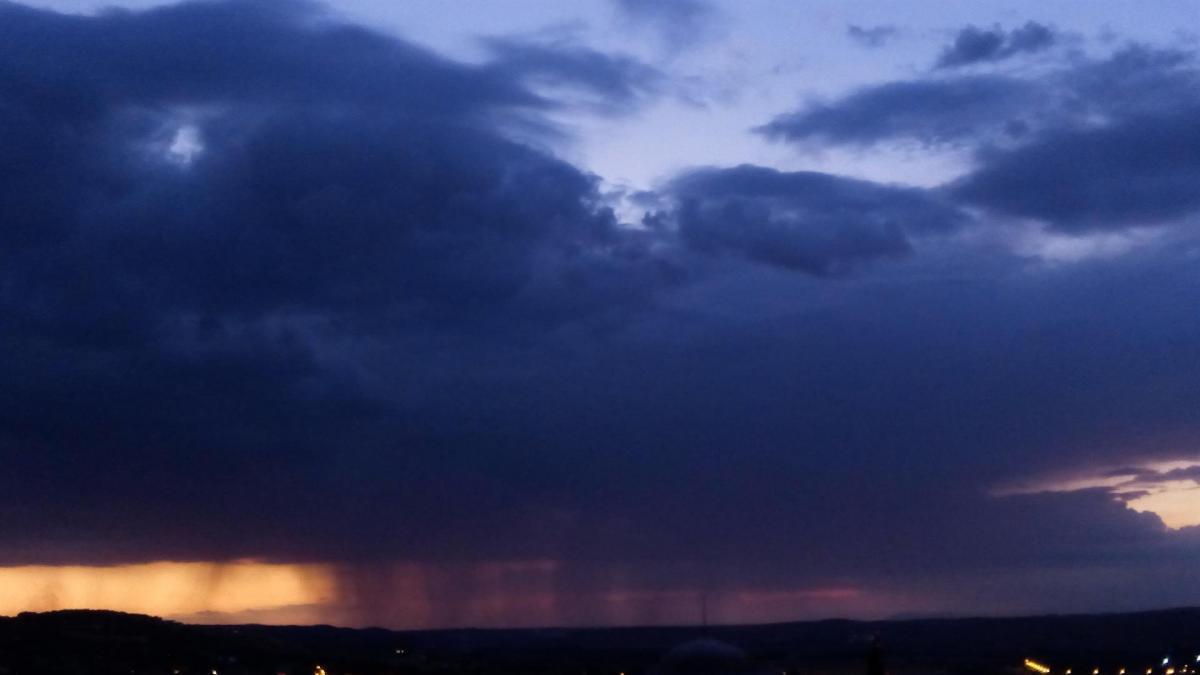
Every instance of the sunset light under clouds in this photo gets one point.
(1154, 487)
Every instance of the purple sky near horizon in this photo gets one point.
(427, 314)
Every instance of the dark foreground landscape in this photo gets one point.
(1160, 642)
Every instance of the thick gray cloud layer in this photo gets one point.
(293, 285)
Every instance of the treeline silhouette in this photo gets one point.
(103, 642)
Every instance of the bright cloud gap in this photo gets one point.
(1170, 489)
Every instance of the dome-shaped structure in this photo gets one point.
(704, 657)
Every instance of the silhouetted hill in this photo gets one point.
(113, 642)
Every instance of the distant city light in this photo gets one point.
(1037, 667)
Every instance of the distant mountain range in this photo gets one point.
(86, 641)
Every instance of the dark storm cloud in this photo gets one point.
(289, 305)
(182, 307)
(277, 287)
(975, 45)
(356, 151)
(871, 36)
(807, 221)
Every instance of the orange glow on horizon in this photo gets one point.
(165, 589)
(410, 594)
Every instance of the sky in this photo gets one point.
(530, 313)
